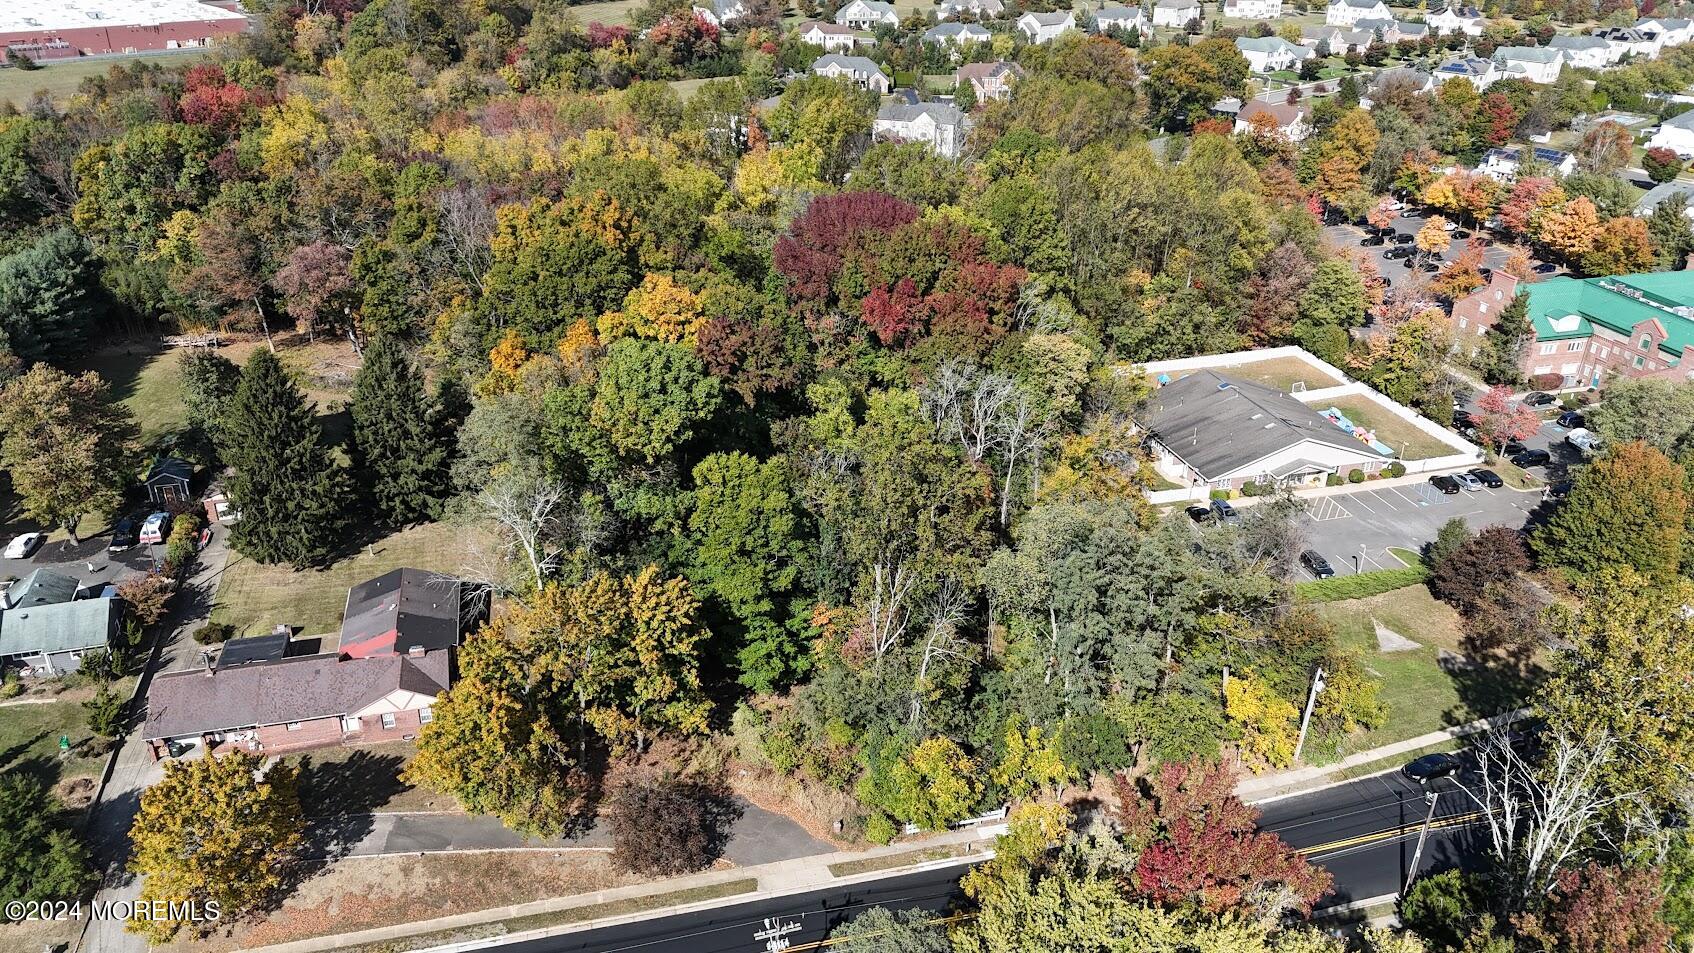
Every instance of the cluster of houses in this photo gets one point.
(274, 694)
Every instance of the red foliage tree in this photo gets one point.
(809, 256)
(1500, 119)
(1521, 203)
(892, 315)
(754, 354)
(1214, 126)
(1602, 910)
(209, 99)
(601, 36)
(1499, 419)
(1200, 844)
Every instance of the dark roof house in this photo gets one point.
(401, 610)
(168, 481)
(42, 587)
(269, 647)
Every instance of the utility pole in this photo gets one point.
(1306, 719)
(1423, 835)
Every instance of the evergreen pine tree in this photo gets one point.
(291, 494)
(1672, 235)
(397, 450)
(1507, 342)
(209, 381)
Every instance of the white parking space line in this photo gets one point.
(1359, 498)
(1326, 508)
(1396, 491)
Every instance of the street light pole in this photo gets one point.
(1311, 701)
(1423, 835)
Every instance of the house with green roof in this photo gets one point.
(1590, 330)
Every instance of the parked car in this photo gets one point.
(1225, 513)
(1488, 478)
(1583, 439)
(1538, 399)
(1430, 265)
(1513, 448)
(156, 529)
(1461, 417)
(1404, 238)
(1316, 564)
(1532, 458)
(124, 535)
(1449, 226)
(1373, 240)
(1445, 483)
(1572, 420)
(1398, 252)
(1561, 489)
(1546, 268)
(24, 545)
(1468, 482)
(1431, 767)
(1199, 514)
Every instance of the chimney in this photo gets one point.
(415, 651)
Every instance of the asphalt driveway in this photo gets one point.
(1354, 530)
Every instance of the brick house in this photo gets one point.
(406, 610)
(294, 704)
(1589, 330)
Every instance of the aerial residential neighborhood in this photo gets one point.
(890, 476)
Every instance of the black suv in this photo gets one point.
(1316, 564)
(1399, 251)
(1571, 419)
(124, 535)
(1532, 458)
(1488, 478)
(1445, 483)
(1198, 514)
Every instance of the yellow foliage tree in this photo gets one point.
(763, 176)
(659, 309)
(1031, 762)
(1571, 230)
(1432, 238)
(1267, 719)
(293, 132)
(505, 364)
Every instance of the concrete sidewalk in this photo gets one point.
(1272, 787)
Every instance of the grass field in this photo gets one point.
(608, 12)
(1408, 441)
(253, 598)
(60, 80)
(1420, 694)
(1281, 373)
(30, 733)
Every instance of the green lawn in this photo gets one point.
(1281, 373)
(254, 598)
(609, 12)
(60, 80)
(1408, 441)
(29, 734)
(1421, 696)
(146, 380)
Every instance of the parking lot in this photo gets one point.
(1408, 222)
(1354, 530)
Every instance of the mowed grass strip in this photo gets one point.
(1408, 441)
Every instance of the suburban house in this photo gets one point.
(1477, 71)
(1451, 19)
(1664, 190)
(168, 480)
(1268, 54)
(867, 15)
(1586, 52)
(1334, 40)
(981, 9)
(1294, 122)
(1502, 164)
(1176, 13)
(1253, 9)
(1121, 18)
(862, 72)
(956, 34)
(1667, 31)
(1212, 429)
(50, 621)
(1388, 31)
(833, 37)
(1538, 64)
(1675, 134)
(1591, 328)
(989, 80)
(721, 13)
(407, 610)
(1409, 30)
(1349, 12)
(940, 125)
(1629, 41)
(1046, 27)
(294, 704)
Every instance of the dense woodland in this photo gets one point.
(816, 446)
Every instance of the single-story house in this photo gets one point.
(1349, 12)
(270, 647)
(1294, 121)
(1451, 19)
(867, 15)
(1041, 28)
(833, 37)
(1502, 164)
(295, 704)
(1176, 13)
(51, 639)
(1268, 54)
(407, 609)
(1675, 134)
(1253, 9)
(168, 481)
(864, 73)
(940, 125)
(989, 80)
(982, 9)
(43, 587)
(1212, 429)
(1664, 190)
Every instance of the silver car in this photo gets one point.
(1468, 482)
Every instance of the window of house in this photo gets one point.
(426, 715)
(1544, 369)
(1549, 347)
(1646, 342)
(292, 726)
(1464, 323)
(1574, 345)
(349, 724)
(388, 720)
(1639, 361)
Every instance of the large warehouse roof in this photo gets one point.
(28, 16)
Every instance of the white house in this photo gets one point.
(1334, 40)
(720, 13)
(1538, 64)
(1480, 72)
(867, 15)
(1669, 30)
(1590, 52)
(1176, 13)
(1388, 31)
(1267, 54)
(1451, 19)
(1675, 134)
(1665, 190)
(1122, 18)
(956, 34)
(1502, 164)
(981, 9)
(1294, 122)
(940, 125)
(1629, 41)
(989, 80)
(1349, 12)
(834, 37)
(1046, 27)
(863, 72)
(1253, 9)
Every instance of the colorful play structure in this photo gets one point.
(1365, 436)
